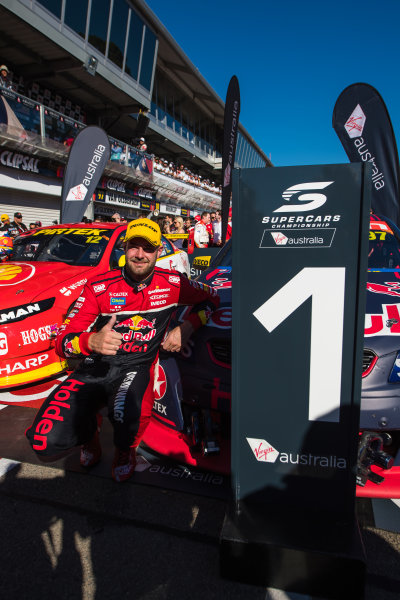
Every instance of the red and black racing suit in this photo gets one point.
(124, 382)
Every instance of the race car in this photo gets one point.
(49, 267)
(191, 413)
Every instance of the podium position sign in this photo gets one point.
(299, 267)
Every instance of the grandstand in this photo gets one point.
(111, 63)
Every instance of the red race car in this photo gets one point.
(50, 266)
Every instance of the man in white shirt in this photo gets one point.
(201, 236)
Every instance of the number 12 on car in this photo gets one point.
(326, 287)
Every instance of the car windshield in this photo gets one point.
(81, 247)
(384, 249)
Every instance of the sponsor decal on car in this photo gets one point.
(29, 363)
(72, 231)
(16, 273)
(265, 452)
(31, 336)
(19, 313)
(387, 323)
(3, 344)
(390, 288)
(67, 291)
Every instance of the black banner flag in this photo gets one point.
(88, 156)
(362, 122)
(231, 122)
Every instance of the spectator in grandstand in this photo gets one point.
(38, 223)
(116, 151)
(201, 235)
(216, 225)
(142, 145)
(116, 218)
(4, 78)
(32, 226)
(18, 223)
(167, 225)
(179, 228)
(68, 141)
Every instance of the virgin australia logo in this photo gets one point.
(279, 238)
(355, 123)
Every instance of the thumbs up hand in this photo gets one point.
(106, 341)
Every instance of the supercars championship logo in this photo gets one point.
(297, 213)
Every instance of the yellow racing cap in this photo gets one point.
(5, 217)
(144, 228)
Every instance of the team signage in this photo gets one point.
(299, 265)
(88, 157)
(19, 161)
(362, 122)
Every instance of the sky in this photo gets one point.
(292, 60)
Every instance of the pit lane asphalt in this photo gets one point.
(68, 535)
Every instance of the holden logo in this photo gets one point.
(309, 201)
(355, 123)
(262, 450)
(279, 238)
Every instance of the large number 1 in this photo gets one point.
(326, 287)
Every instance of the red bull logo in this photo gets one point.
(136, 324)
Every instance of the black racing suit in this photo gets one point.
(123, 382)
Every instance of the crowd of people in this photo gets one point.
(119, 153)
(204, 231)
(185, 174)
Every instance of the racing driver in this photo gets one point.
(117, 326)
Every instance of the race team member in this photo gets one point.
(201, 235)
(117, 325)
